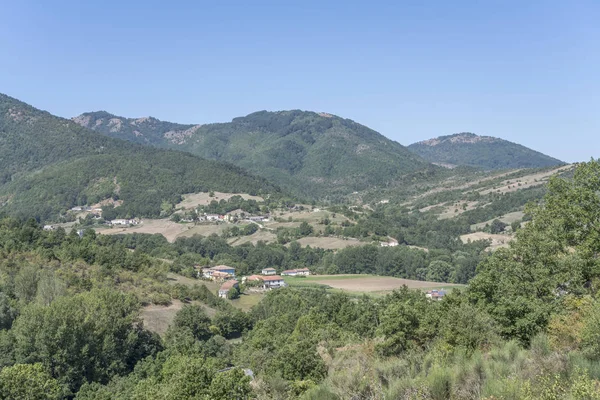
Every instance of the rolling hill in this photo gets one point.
(480, 151)
(49, 164)
(314, 155)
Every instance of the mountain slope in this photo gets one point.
(313, 154)
(481, 151)
(49, 164)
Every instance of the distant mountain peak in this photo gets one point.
(463, 137)
(486, 152)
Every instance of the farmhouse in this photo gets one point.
(219, 272)
(49, 227)
(435, 294)
(226, 287)
(296, 272)
(214, 217)
(269, 282)
(269, 271)
(123, 222)
(391, 243)
(273, 281)
(259, 218)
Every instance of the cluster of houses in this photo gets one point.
(267, 280)
(230, 217)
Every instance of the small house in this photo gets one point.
(296, 272)
(435, 294)
(269, 271)
(220, 272)
(226, 287)
(273, 281)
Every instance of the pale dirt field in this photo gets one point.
(497, 240)
(169, 229)
(508, 218)
(366, 283)
(166, 227)
(453, 210)
(204, 229)
(540, 178)
(193, 200)
(329, 243)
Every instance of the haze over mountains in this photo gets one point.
(480, 151)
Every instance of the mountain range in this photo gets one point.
(49, 164)
(313, 155)
(484, 152)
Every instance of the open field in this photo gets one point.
(527, 181)
(165, 227)
(193, 200)
(366, 283)
(246, 301)
(262, 234)
(329, 243)
(497, 240)
(206, 229)
(508, 218)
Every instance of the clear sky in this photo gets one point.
(526, 71)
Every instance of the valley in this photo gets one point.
(205, 260)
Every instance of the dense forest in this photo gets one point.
(50, 164)
(526, 327)
(312, 155)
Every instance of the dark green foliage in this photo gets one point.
(193, 318)
(481, 151)
(88, 337)
(309, 154)
(54, 164)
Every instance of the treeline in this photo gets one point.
(401, 261)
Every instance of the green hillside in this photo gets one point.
(49, 164)
(311, 154)
(481, 151)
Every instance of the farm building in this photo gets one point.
(269, 282)
(218, 272)
(226, 287)
(123, 222)
(269, 271)
(391, 243)
(296, 272)
(273, 281)
(435, 294)
(214, 217)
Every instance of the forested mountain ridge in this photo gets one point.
(485, 152)
(49, 164)
(312, 154)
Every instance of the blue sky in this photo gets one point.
(526, 71)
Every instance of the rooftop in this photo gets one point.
(272, 278)
(229, 284)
